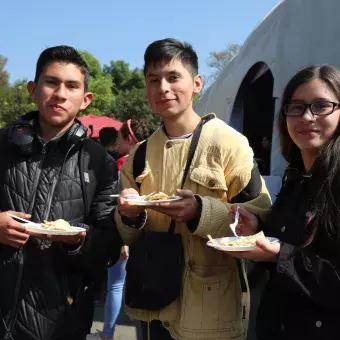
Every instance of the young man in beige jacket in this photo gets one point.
(214, 298)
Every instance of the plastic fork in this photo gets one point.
(233, 225)
(20, 218)
(127, 196)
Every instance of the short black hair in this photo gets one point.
(169, 49)
(108, 136)
(63, 54)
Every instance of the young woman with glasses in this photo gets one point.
(301, 300)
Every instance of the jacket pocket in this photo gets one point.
(211, 182)
(211, 303)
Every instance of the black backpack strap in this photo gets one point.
(139, 161)
(192, 148)
(140, 154)
(193, 145)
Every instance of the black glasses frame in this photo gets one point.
(310, 107)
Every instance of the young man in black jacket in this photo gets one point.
(50, 170)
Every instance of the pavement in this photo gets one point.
(125, 328)
(130, 330)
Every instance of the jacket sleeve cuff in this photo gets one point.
(215, 218)
(284, 259)
(76, 250)
(128, 234)
(193, 224)
(260, 224)
(136, 223)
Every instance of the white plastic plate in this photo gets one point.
(222, 247)
(38, 229)
(141, 202)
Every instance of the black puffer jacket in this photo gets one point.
(46, 289)
(301, 300)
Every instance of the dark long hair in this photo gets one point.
(327, 164)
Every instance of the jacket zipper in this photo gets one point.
(36, 179)
(53, 185)
(47, 209)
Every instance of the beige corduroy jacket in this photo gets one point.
(212, 305)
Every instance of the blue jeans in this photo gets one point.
(115, 284)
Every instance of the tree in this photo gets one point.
(133, 104)
(15, 102)
(123, 78)
(92, 63)
(4, 75)
(100, 85)
(219, 60)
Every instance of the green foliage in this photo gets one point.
(3, 73)
(133, 104)
(103, 97)
(15, 102)
(196, 97)
(92, 63)
(100, 85)
(219, 60)
(123, 78)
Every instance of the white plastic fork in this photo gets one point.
(233, 225)
(20, 218)
(127, 196)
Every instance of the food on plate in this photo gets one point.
(243, 241)
(158, 196)
(56, 225)
(212, 240)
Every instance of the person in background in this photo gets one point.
(263, 156)
(132, 132)
(108, 139)
(301, 300)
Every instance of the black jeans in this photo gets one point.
(157, 331)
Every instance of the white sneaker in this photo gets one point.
(97, 336)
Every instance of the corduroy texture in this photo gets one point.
(211, 305)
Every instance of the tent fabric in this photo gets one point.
(99, 122)
(295, 34)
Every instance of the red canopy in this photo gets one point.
(99, 122)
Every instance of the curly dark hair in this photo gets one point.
(139, 128)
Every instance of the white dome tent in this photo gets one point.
(247, 93)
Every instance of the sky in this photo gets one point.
(115, 30)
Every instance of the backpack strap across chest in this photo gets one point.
(139, 161)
